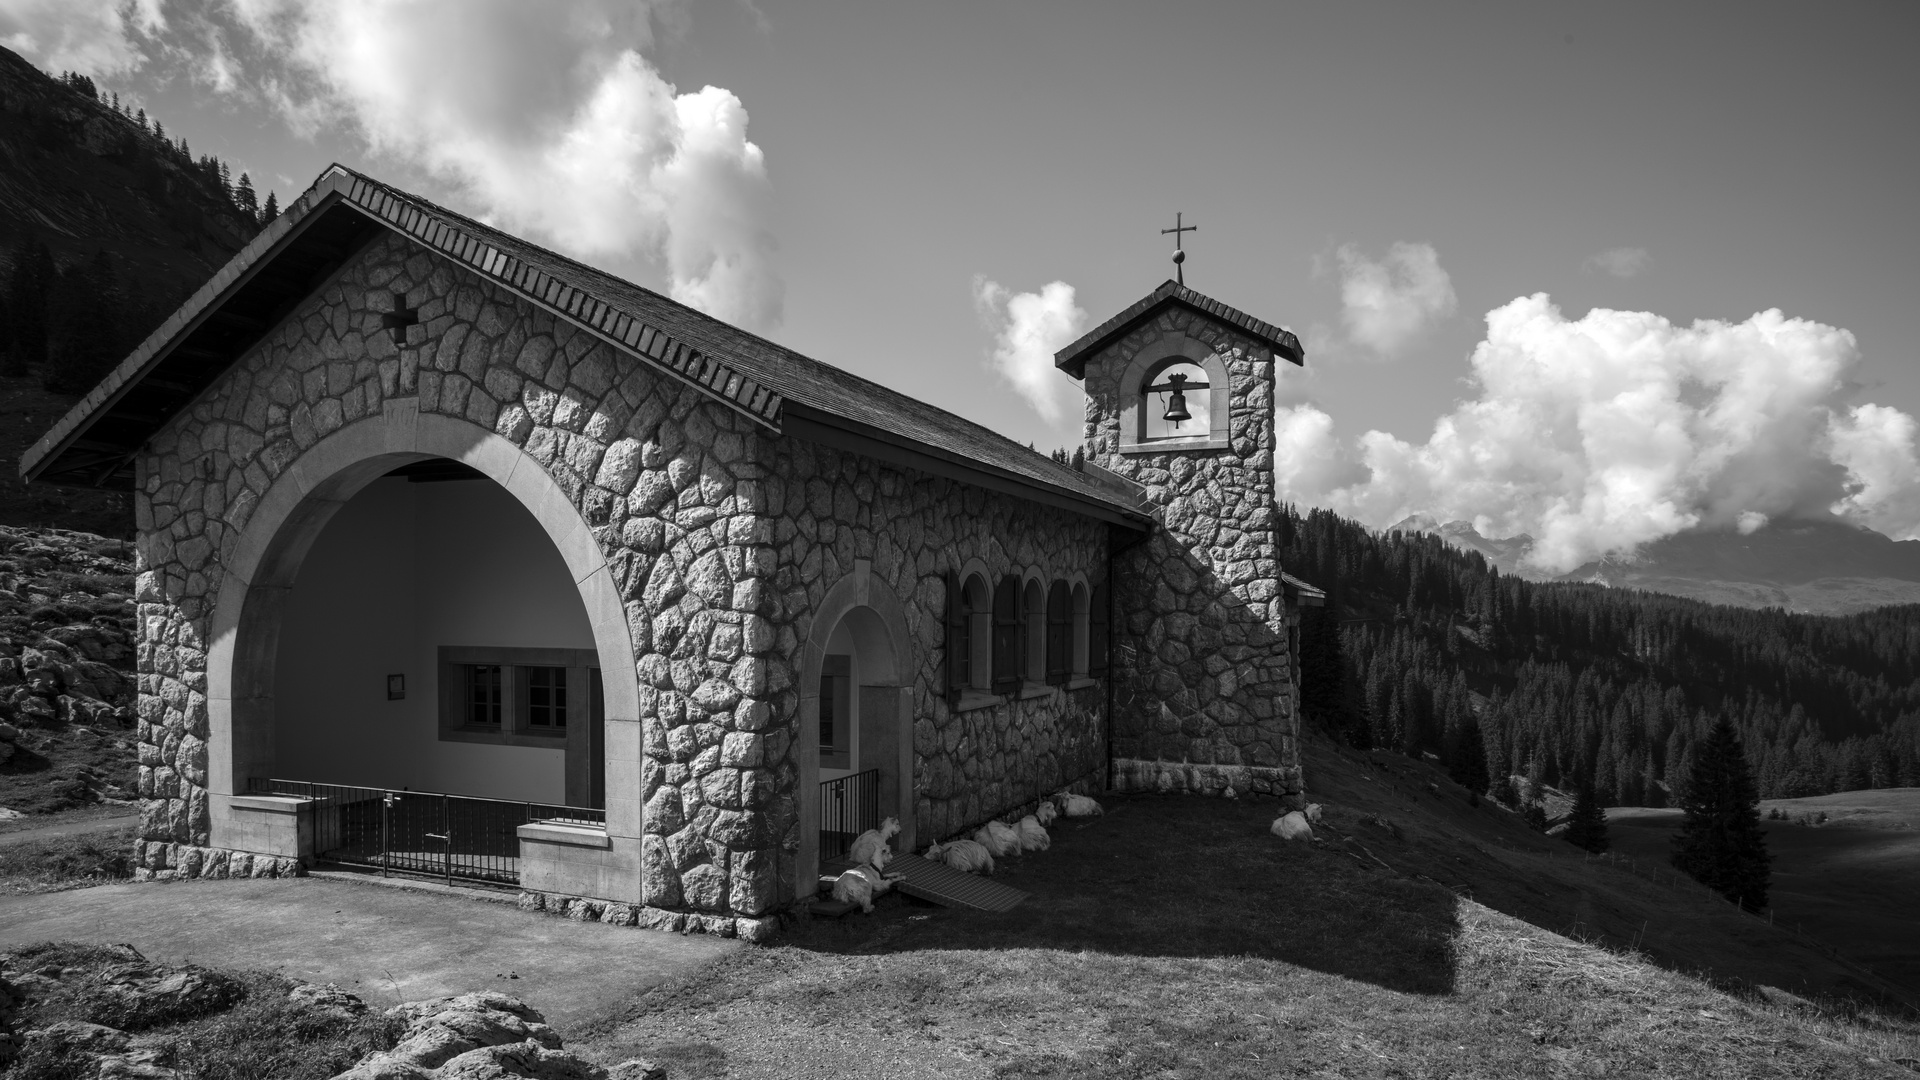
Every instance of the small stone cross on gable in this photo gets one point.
(399, 318)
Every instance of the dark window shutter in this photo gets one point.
(959, 645)
(1097, 632)
(1059, 633)
(1006, 635)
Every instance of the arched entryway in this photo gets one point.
(856, 719)
(489, 509)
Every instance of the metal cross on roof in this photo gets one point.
(1179, 255)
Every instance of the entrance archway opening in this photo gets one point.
(433, 639)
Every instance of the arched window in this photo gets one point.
(1078, 637)
(969, 635)
(1034, 626)
(1059, 633)
(1176, 402)
(1007, 653)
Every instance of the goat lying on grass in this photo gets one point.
(862, 883)
(1046, 813)
(966, 856)
(873, 840)
(1032, 836)
(1077, 805)
(999, 838)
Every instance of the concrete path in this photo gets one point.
(385, 944)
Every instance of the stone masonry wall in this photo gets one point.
(669, 482)
(1206, 698)
(830, 507)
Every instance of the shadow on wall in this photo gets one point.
(1179, 876)
(1200, 673)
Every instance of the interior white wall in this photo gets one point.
(399, 571)
(842, 644)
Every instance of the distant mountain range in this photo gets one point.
(1817, 567)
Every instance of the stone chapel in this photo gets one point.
(455, 554)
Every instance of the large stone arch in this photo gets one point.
(244, 626)
(868, 597)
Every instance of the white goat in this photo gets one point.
(862, 883)
(872, 840)
(1032, 836)
(966, 856)
(999, 838)
(1046, 813)
(1078, 805)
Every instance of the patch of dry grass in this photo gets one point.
(67, 862)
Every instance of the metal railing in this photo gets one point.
(422, 832)
(849, 806)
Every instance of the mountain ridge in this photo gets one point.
(1811, 567)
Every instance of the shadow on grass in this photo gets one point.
(1175, 876)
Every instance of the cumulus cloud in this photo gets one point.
(1389, 303)
(93, 37)
(550, 121)
(1621, 262)
(1028, 328)
(547, 120)
(1601, 434)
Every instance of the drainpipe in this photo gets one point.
(1112, 589)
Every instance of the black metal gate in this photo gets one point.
(849, 806)
(421, 832)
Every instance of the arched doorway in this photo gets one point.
(432, 640)
(856, 730)
(262, 574)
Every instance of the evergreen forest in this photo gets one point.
(1426, 649)
(71, 319)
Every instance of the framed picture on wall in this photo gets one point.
(396, 687)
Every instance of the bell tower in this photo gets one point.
(1180, 399)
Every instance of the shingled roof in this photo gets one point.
(1073, 358)
(95, 443)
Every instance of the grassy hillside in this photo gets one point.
(1848, 881)
(1174, 937)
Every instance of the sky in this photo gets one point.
(1595, 273)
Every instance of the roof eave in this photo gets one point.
(1073, 358)
(831, 429)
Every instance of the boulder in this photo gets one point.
(479, 1036)
(1292, 825)
(328, 997)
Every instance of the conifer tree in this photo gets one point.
(245, 199)
(1720, 843)
(272, 210)
(1587, 824)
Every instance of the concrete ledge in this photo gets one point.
(593, 836)
(1164, 446)
(272, 804)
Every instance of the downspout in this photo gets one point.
(1112, 668)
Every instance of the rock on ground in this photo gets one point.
(479, 1036)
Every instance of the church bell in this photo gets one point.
(1177, 401)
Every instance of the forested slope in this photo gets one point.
(1425, 648)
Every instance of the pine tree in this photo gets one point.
(245, 199)
(272, 210)
(1720, 843)
(1587, 825)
